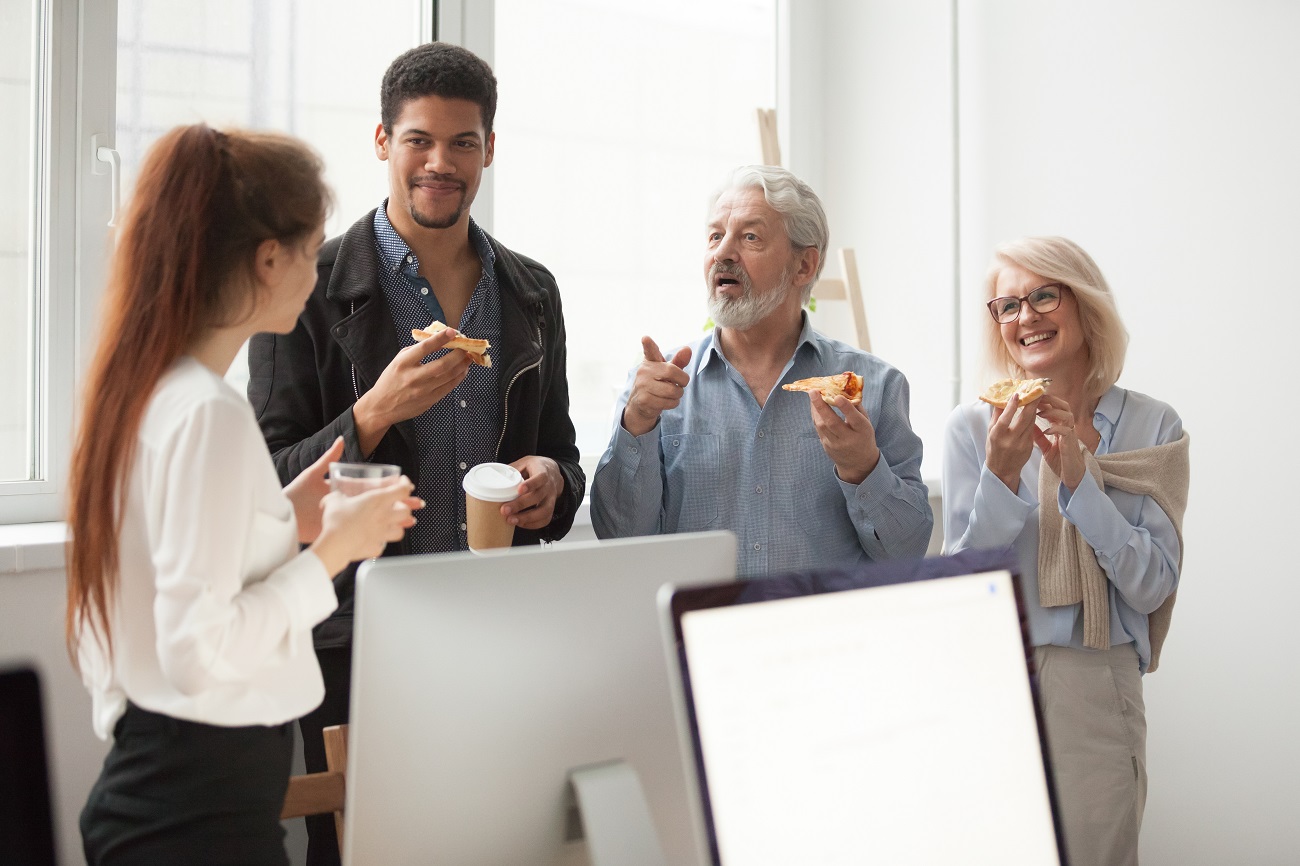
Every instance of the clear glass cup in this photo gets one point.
(353, 478)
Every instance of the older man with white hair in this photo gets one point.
(707, 439)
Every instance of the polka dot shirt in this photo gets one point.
(462, 429)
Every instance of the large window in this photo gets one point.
(37, 253)
(77, 78)
(266, 64)
(615, 123)
(19, 287)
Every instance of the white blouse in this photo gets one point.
(215, 604)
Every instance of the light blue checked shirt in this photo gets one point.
(718, 461)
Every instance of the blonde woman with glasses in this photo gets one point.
(1088, 484)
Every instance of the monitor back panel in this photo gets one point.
(479, 681)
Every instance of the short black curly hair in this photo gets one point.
(437, 69)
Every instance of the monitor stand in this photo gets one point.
(614, 816)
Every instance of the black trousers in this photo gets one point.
(336, 670)
(173, 791)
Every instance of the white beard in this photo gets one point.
(751, 307)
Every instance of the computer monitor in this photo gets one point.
(483, 682)
(882, 714)
(26, 818)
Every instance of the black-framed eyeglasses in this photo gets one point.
(1043, 299)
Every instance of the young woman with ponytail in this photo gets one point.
(190, 602)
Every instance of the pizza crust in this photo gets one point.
(1000, 392)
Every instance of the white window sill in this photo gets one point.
(40, 546)
(32, 547)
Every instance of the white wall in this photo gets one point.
(1162, 136)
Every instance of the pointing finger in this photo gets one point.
(651, 350)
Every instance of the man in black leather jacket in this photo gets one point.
(351, 370)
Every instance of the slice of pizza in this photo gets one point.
(847, 383)
(1000, 392)
(476, 349)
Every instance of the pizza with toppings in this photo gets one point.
(847, 383)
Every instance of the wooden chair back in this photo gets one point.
(318, 793)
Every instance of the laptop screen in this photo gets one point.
(871, 718)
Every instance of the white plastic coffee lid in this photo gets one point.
(493, 482)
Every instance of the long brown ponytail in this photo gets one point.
(203, 203)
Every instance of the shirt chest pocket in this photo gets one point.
(816, 501)
(693, 467)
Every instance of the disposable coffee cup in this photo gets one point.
(487, 486)
(353, 478)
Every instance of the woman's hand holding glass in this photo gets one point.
(360, 526)
(342, 528)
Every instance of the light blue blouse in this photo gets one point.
(1134, 540)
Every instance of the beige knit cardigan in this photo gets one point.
(1068, 572)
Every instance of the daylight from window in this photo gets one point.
(616, 121)
(18, 297)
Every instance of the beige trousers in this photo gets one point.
(1096, 739)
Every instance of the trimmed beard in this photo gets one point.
(434, 222)
(751, 307)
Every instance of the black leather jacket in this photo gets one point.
(302, 385)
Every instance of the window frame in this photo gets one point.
(71, 80)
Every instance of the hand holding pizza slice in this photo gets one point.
(849, 441)
(1028, 390)
(476, 349)
(848, 384)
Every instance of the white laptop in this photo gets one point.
(878, 715)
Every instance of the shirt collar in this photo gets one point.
(1106, 415)
(806, 335)
(397, 256)
(711, 348)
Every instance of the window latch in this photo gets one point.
(107, 160)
